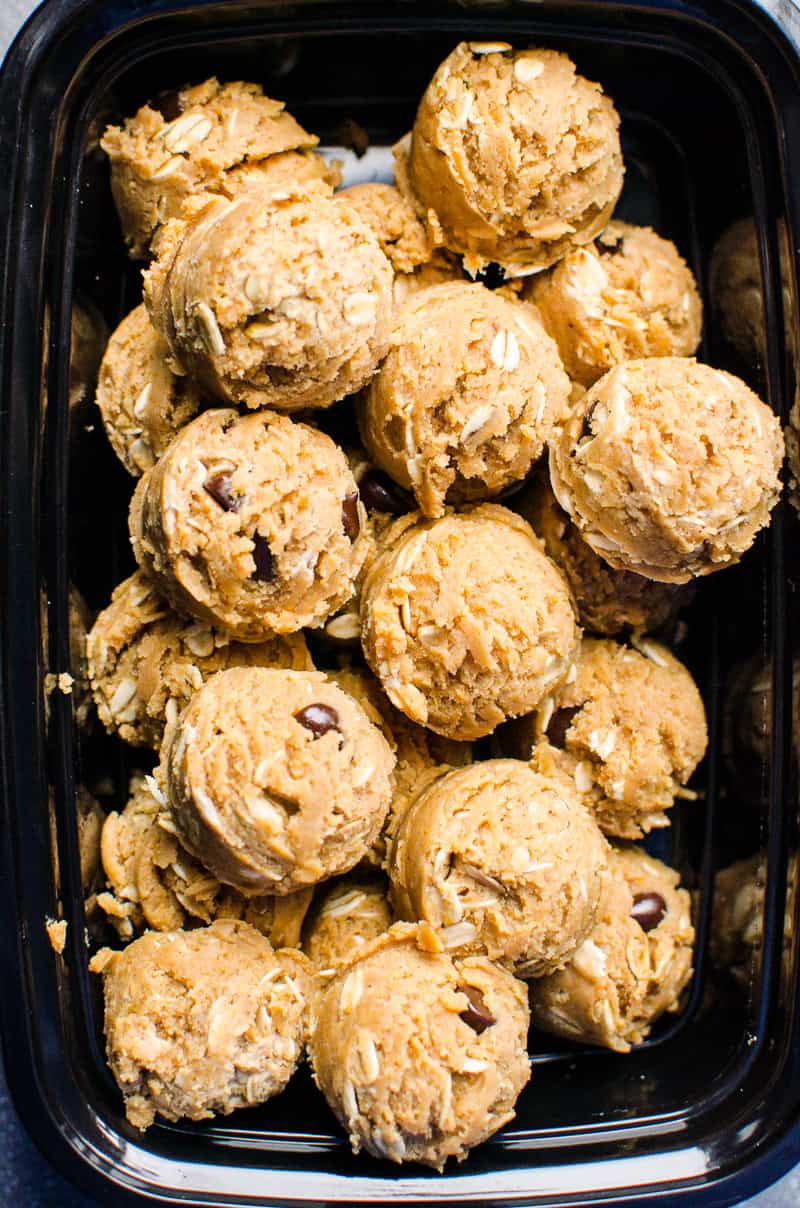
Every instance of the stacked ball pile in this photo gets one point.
(322, 860)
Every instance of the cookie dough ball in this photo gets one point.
(440, 268)
(629, 294)
(201, 1022)
(419, 1056)
(192, 141)
(468, 395)
(393, 221)
(349, 914)
(737, 294)
(90, 818)
(514, 157)
(737, 929)
(251, 523)
(275, 299)
(633, 966)
(142, 402)
(506, 859)
(465, 621)
(276, 779)
(608, 601)
(669, 468)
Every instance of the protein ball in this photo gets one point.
(628, 294)
(143, 404)
(276, 780)
(146, 662)
(275, 299)
(420, 1057)
(393, 221)
(351, 912)
(466, 398)
(251, 523)
(465, 621)
(669, 468)
(633, 966)
(630, 729)
(441, 267)
(199, 1023)
(506, 859)
(514, 158)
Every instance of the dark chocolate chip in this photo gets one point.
(380, 494)
(353, 135)
(586, 426)
(476, 1014)
(319, 719)
(350, 520)
(492, 276)
(218, 487)
(558, 725)
(262, 556)
(168, 104)
(608, 249)
(648, 910)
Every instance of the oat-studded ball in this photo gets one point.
(143, 404)
(467, 397)
(668, 467)
(513, 157)
(393, 221)
(634, 965)
(276, 779)
(465, 621)
(608, 600)
(251, 523)
(419, 1056)
(146, 661)
(350, 912)
(279, 298)
(199, 139)
(506, 859)
(201, 1022)
(737, 932)
(440, 268)
(628, 294)
(630, 728)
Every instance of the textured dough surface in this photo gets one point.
(668, 467)
(349, 913)
(405, 1073)
(393, 221)
(466, 398)
(465, 621)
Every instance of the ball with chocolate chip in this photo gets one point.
(506, 859)
(252, 524)
(280, 298)
(467, 397)
(276, 780)
(633, 966)
(420, 1057)
(350, 912)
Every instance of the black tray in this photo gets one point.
(709, 1109)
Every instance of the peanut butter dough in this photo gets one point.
(350, 913)
(394, 223)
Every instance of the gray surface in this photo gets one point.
(25, 1178)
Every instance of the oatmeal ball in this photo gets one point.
(250, 523)
(351, 912)
(142, 402)
(513, 157)
(394, 223)
(668, 468)
(506, 859)
(201, 1022)
(608, 601)
(737, 294)
(195, 140)
(737, 931)
(465, 621)
(633, 966)
(468, 395)
(146, 661)
(419, 1056)
(90, 818)
(629, 294)
(440, 268)
(278, 298)
(276, 780)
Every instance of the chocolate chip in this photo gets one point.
(319, 719)
(586, 426)
(380, 494)
(218, 487)
(168, 104)
(476, 1014)
(608, 249)
(353, 135)
(350, 520)
(492, 276)
(648, 910)
(558, 725)
(262, 556)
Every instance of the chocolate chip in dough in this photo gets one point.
(558, 725)
(350, 520)
(262, 556)
(319, 719)
(218, 487)
(380, 494)
(476, 1014)
(648, 910)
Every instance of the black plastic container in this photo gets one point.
(709, 1109)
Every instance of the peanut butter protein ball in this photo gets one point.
(393, 221)
(513, 157)
(668, 467)
(348, 915)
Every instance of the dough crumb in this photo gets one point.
(56, 933)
